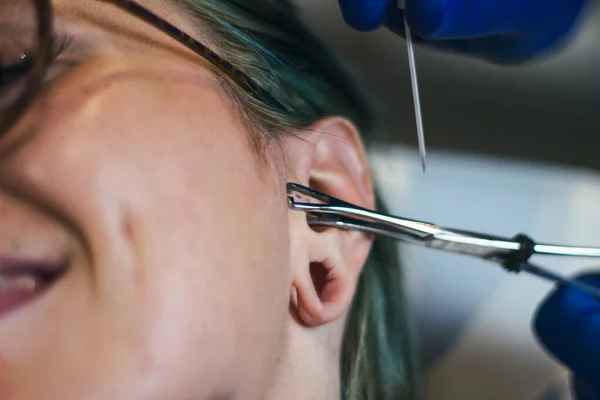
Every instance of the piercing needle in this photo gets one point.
(415, 90)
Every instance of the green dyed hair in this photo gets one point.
(266, 40)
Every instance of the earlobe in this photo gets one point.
(323, 292)
(330, 159)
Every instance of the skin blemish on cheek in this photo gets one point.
(127, 228)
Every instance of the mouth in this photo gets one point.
(22, 281)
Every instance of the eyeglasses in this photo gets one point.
(24, 60)
(512, 254)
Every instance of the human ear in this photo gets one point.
(327, 262)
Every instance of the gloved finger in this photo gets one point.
(584, 390)
(467, 19)
(364, 15)
(568, 325)
(500, 49)
(501, 31)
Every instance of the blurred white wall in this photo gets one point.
(473, 318)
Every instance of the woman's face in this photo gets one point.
(138, 179)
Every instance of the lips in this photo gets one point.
(22, 280)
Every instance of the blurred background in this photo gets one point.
(545, 112)
(511, 149)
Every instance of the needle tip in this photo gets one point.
(423, 164)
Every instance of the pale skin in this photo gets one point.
(189, 278)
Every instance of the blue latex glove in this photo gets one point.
(501, 31)
(568, 325)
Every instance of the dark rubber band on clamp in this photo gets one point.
(515, 261)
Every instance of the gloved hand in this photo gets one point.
(568, 325)
(501, 31)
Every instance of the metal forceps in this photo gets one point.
(512, 254)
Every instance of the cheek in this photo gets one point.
(188, 229)
(212, 242)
